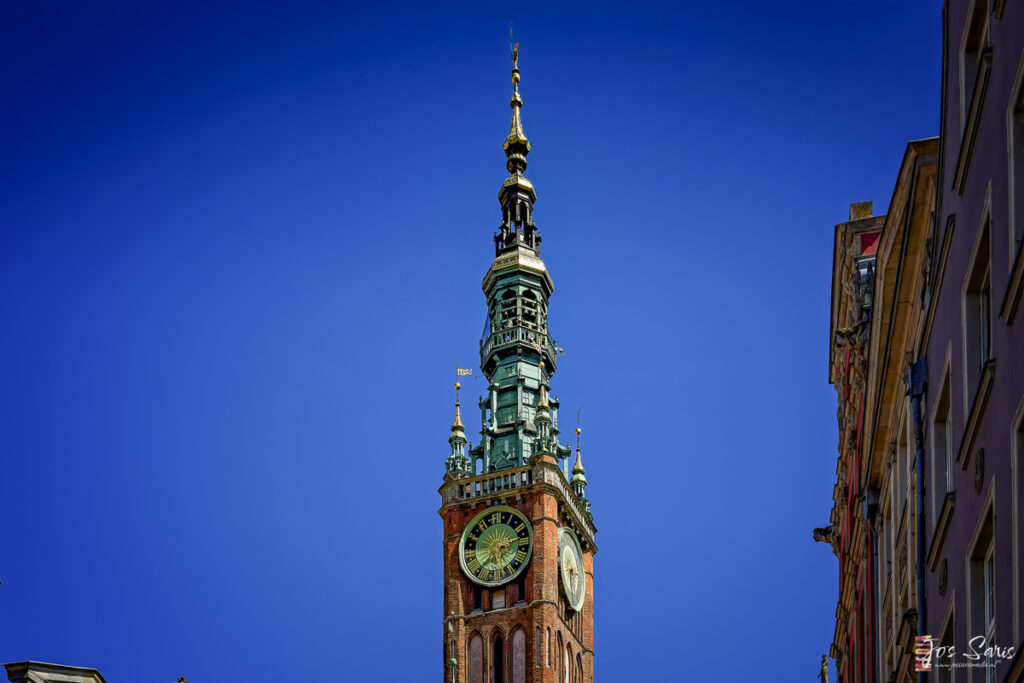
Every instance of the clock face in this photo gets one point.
(496, 546)
(570, 566)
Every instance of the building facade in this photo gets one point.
(518, 545)
(854, 249)
(927, 357)
(880, 267)
(974, 346)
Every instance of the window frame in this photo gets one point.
(973, 42)
(976, 307)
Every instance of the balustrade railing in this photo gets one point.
(495, 482)
(513, 335)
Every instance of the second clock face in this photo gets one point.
(570, 566)
(496, 546)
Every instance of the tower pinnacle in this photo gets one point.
(516, 194)
(516, 146)
(458, 462)
(579, 476)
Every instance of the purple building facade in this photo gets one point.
(972, 408)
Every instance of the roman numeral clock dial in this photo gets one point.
(496, 546)
(570, 566)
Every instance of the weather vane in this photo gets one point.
(515, 48)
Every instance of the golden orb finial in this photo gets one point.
(579, 431)
(457, 386)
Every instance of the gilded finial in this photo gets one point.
(516, 146)
(579, 478)
(457, 424)
(577, 470)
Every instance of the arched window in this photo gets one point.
(579, 667)
(539, 647)
(547, 659)
(569, 673)
(519, 656)
(497, 660)
(476, 659)
(559, 658)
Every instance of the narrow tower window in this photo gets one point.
(547, 659)
(519, 656)
(498, 660)
(476, 659)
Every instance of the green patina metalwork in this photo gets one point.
(518, 356)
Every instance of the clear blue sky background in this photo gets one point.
(242, 250)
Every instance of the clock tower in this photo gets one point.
(518, 530)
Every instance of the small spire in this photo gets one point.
(579, 477)
(457, 424)
(457, 463)
(516, 146)
(577, 471)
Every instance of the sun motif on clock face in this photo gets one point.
(570, 563)
(496, 546)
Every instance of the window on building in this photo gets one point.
(498, 599)
(476, 659)
(982, 587)
(973, 42)
(559, 657)
(539, 647)
(518, 589)
(902, 456)
(1017, 453)
(1015, 128)
(498, 660)
(519, 656)
(988, 579)
(942, 453)
(547, 659)
(940, 656)
(977, 314)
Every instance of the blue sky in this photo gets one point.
(242, 250)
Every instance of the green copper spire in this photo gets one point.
(457, 462)
(519, 419)
(518, 356)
